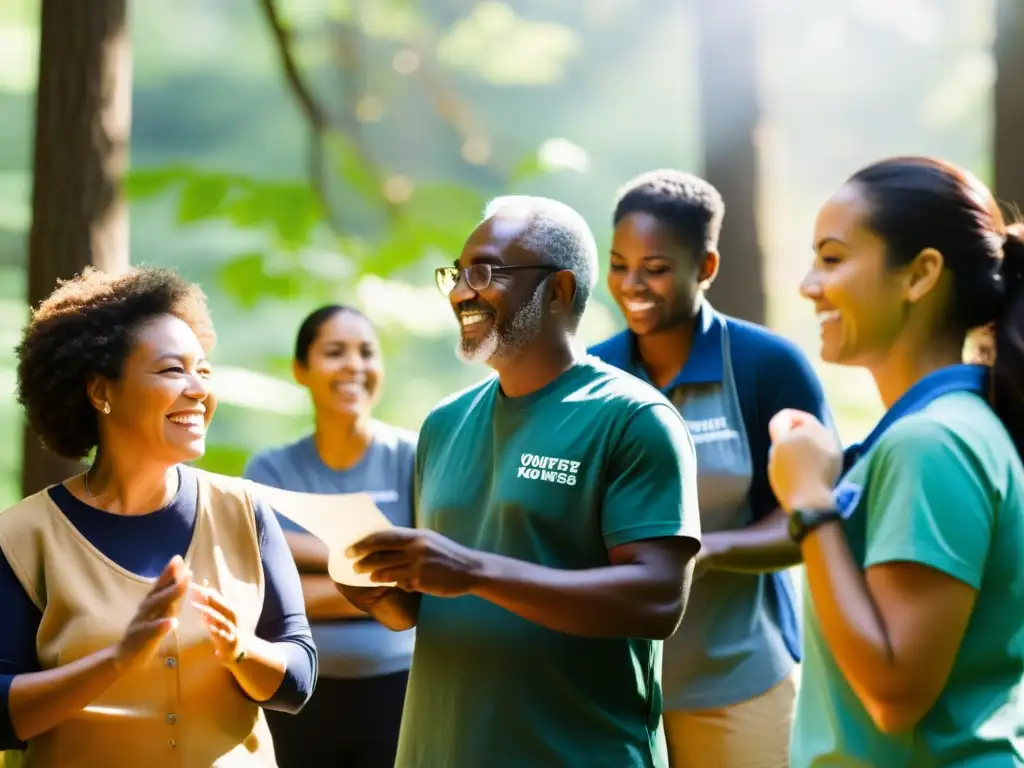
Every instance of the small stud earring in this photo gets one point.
(106, 409)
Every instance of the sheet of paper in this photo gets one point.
(339, 520)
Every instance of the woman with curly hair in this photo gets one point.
(151, 610)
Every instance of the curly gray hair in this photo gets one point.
(559, 232)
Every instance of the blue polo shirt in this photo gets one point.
(740, 636)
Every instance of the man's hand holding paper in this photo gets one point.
(417, 561)
(338, 520)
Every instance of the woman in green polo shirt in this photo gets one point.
(914, 628)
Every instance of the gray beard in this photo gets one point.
(507, 342)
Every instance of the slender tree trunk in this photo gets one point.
(1009, 103)
(729, 114)
(83, 119)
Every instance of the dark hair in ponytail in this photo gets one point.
(1008, 370)
(918, 203)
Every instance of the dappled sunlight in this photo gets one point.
(495, 43)
(19, 49)
(258, 391)
(418, 309)
(559, 154)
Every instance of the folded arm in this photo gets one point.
(761, 547)
(777, 376)
(323, 601)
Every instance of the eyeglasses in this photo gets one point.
(478, 276)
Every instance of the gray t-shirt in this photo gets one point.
(350, 648)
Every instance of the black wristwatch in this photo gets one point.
(803, 521)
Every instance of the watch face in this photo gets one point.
(801, 523)
(796, 525)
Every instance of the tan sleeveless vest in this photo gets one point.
(183, 710)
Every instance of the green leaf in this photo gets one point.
(146, 182)
(439, 217)
(242, 279)
(202, 197)
(434, 222)
(296, 211)
(400, 249)
(249, 208)
(247, 280)
(290, 209)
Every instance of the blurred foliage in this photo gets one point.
(432, 221)
(343, 152)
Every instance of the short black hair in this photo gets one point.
(85, 328)
(690, 205)
(311, 326)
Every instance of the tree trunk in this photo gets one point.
(729, 114)
(1008, 162)
(83, 119)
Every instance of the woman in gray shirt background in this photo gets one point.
(354, 715)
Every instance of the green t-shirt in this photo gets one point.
(594, 460)
(942, 487)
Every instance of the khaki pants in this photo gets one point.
(751, 734)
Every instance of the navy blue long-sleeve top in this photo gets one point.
(144, 544)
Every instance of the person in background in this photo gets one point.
(151, 610)
(558, 513)
(914, 633)
(728, 672)
(353, 719)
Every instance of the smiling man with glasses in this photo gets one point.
(557, 505)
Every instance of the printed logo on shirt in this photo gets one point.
(383, 497)
(711, 430)
(846, 497)
(549, 469)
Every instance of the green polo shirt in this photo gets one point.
(941, 487)
(594, 460)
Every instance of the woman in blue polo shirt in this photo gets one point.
(727, 680)
(915, 564)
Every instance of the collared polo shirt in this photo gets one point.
(740, 635)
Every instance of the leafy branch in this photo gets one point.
(320, 121)
(315, 247)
